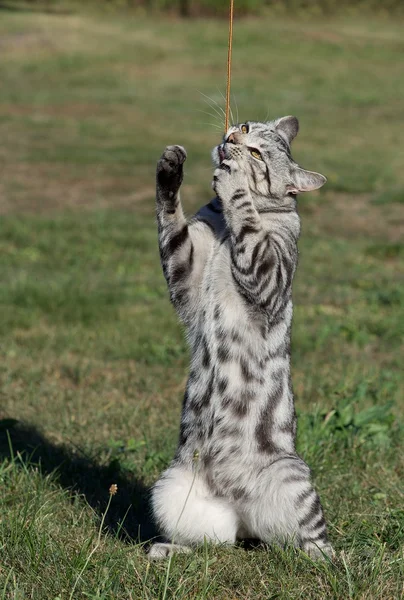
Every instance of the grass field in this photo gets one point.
(93, 361)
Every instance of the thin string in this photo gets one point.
(229, 49)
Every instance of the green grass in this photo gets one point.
(93, 359)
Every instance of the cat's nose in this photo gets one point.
(233, 138)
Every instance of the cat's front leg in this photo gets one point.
(250, 245)
(231, 185)
(175, 244)
(184, 246)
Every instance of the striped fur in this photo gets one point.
(229, 271)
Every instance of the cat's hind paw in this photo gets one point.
(159, 551)
(317, 552)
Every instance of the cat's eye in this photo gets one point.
(244, 129)
(256, 154)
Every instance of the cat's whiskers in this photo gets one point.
(210, 125)
(214, 101)
(231, 112)
(214, 116)
(235, 101)
(216, 110)
(220, 112)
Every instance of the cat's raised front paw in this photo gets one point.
(170, 168)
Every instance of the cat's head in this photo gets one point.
(263, 150)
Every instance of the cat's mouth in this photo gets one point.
(221, 153)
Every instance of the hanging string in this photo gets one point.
(229, 49)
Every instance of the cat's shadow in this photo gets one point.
(128, 515)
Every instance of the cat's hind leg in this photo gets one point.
(187, 513)
(288, 509)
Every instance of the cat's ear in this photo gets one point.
(287, 127)
(305, 181)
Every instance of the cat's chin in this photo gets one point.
(218, 155)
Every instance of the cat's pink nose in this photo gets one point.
(234, 138)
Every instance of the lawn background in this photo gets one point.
(93, 360)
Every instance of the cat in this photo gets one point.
(229, 269)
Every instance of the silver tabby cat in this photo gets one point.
(229, 270)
